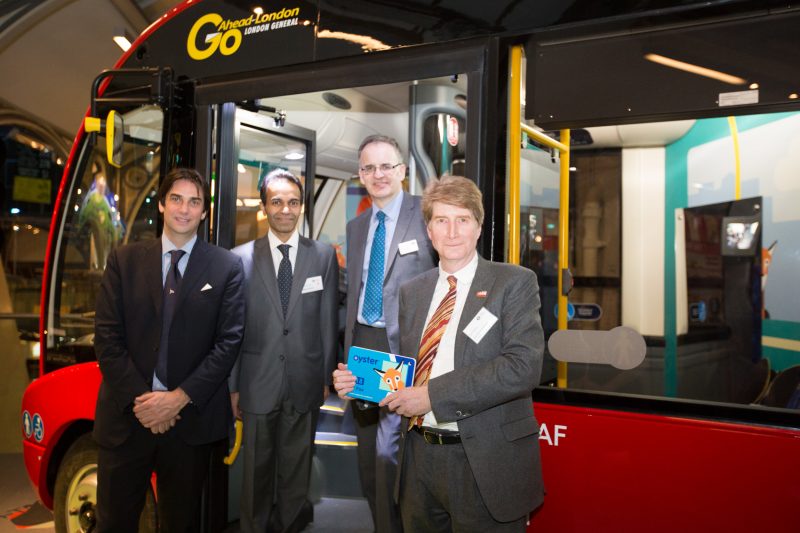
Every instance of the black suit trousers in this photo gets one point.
(124, 471)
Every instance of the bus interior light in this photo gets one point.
(695, 69)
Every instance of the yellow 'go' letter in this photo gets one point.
(213, 42)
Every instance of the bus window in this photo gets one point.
(331, 203)
(30, 167)
(668, 238)
(106, 207)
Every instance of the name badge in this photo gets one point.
(408, 247)
(312, 284)
(480, 325)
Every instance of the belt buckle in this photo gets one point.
(434, 437)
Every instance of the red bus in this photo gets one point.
(670, 199)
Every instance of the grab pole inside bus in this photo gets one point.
(514, 155)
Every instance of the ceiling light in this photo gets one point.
(753, 86)
(122, 38)
(793, 96)
(695, 69)
(294, 156)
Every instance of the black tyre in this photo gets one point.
(75, 495)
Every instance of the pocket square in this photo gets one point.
(206, 287)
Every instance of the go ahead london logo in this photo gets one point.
(212, 33)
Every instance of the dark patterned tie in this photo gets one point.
(373, 292)
(169, 300)
(285, 277)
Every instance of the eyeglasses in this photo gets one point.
(369, 170)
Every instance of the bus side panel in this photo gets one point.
(617, 472)
(59, 399)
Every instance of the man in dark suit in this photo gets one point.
(284, 369)
(169, 321)
(470, 448)
(386, 246)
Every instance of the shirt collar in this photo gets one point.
(465, 275)
(392, 210)
(274, 241)
(167, 245)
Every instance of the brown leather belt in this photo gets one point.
(433, 436)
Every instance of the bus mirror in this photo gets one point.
(115, 133)
(114, 129)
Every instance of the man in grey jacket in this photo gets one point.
(470, 452)
(386, 246)
(284, 368)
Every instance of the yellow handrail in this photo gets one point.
(544, 139)
(514, 157)
(563, 248)
(514, 153)
(737, 163)
(237, 444)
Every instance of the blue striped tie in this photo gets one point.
(373, 293)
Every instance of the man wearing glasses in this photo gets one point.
(288, 353)
(387, 245)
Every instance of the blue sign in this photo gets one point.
(38, 427)
(570, 311)
(27, 424)
(588, 312)
(698, 312)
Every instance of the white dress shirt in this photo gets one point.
(277, 256)
(444, 361)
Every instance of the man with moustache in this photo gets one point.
(470, 452)
(168, 324)
(282, 376)
(386, 246)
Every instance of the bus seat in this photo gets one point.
(763, 363)
(784, 389)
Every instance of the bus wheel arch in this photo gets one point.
(75, 491)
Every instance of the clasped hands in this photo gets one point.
(410, 401)
(158, 410)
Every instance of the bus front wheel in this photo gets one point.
(75, 495)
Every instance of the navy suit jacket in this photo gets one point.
(204, 338)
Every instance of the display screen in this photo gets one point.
(740, 235)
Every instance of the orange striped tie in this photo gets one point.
(431, 338)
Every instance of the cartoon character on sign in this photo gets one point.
(392, 377)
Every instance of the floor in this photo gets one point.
(19, 508)
(18, 500)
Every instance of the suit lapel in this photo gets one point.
(358, 239)
(262, 263)
(302, 265)
(194, 270)
(420, 308)
(482, 282)
(153, 276)
(407, 209)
